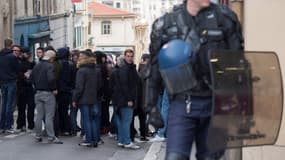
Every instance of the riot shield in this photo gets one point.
(247, 99)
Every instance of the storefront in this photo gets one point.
(32, 32)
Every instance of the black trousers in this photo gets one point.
(105, 119)
(62, 119)
(26, 101)
(142, 122)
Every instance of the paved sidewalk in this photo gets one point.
(157, 152)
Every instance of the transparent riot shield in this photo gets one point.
(247, 99)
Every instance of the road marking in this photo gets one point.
(153, 151)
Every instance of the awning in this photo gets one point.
(39, 35)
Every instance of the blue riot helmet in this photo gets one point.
(175, 61)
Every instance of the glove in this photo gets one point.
(154, 118)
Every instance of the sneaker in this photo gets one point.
(55, 141)
(85, 144)
(100, 142)
(94, 144)
(131, 146)
(143, 139)
(23, 129)
(39, 139)
(11, 131)
(111, 135)
(66, 134)
(157, 138)
(120, 144)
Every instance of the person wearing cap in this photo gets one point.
(43, 79)
(25, 97)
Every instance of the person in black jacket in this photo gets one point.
(25, 92)
(44, 81)
(9, 68)
(65, 86)
(105, 95)
(128, 81)
(116, 95)
(88, 83)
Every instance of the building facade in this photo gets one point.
(111, 29)
(80, 24)
(61, 24)
(38, 23)
(6, 20)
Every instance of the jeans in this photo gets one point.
(124, 123)
(89, 114)
(185, 128)
(8, 96)
(164, 113)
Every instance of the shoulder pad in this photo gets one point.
(168, 19)
(177, 7)
(228, 13)
(158, 23)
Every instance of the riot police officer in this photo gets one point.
(205, 26)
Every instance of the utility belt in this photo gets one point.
(184, 96)
(192, 101)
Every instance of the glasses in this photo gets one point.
(16, 50)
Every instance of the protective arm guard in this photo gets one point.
(234, 38)
(153, 87)
(154, 80)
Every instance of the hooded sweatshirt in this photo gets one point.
(9, 66)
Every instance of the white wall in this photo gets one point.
(20, 11)
(62, 32)
(264, 31)
(62, 27)
(122, 32)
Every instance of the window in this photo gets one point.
(78, 37)
(118, 5)
(26, 7)
(89, 27)
(15, 7)
(54, 6)
(109, 3)
(37, 7)
(106, 28)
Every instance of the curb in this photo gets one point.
(153, 151)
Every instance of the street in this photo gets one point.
(22, 146)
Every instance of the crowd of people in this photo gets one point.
(49, 88)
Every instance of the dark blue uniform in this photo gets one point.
(215, 27)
